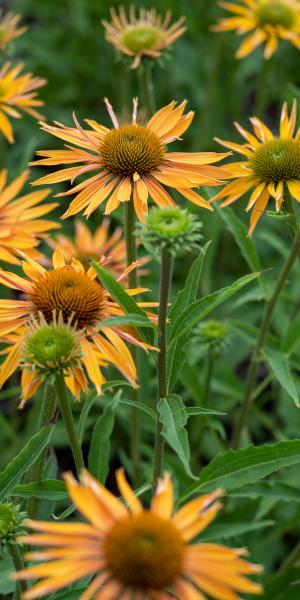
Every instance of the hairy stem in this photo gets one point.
(146, 86)
(268, 312)
(67, 415)
(17, 558)
(165, 284)
(37, 470)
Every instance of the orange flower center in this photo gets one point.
(145, 552)
(277, 160)
(275, 13)
(70, 293)
(131, 149)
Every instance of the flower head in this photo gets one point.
(72, 294)
(9, 29)
(136, 551)
(131, 162)
(144, 35)
(268, 21)
(87, 246)
(172, 229)
(271, 166)
(21, 227)
(17, 93)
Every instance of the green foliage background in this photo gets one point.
(65, 44)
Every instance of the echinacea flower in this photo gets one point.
(17, 93)
(86, 246)
(9, 29)
(131, 162)
(271, 166)
(268, 21)
(146, 34)
(21, 227)
(133, 552)
(78, 296)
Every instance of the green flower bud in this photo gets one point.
(171, 229)
(212, 334)
(11, 522)
(51, 347)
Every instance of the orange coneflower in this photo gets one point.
(17, 92)
(147, 34)
(133, 552)
(20, 224)
(9, 29)
(86, 246)
(271, 166)
(131, 161)
(268, 21)
(76, 294)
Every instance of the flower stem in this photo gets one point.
(65, 409)
(165, 284)
(17, 558)
(208, 376)
(146, 86)
(268, 312)
(37, 471)
(131, 255)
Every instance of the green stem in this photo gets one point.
(17, 558)
(146, 86)
(67, 415)
(165, 284)
(208, 375)
(37, 470)
(131, 255)
(268, 312)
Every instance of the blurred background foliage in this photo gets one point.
(65, 44)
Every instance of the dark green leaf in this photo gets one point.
(122, 298)
(48, 489)
(225, 531)
(235, 468)
(173, 417)
(14, 472)
(279, 364)
(100, 443)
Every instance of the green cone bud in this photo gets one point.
(171, 229)
(51, 347)
(11, 521)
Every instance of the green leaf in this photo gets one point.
(14, 472)
(100, 443)
(91, 399)
(48, 489)
(189, 293)
(7, 585)
(192, 411)
(143, 407)
(225, 531)
(191, 316)
(133, 320)
(122, 298)
(234, 468)
(196, 311)
(279, 364)
(270, 490)
(173, 418)
(291, 338)
(245, 244)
